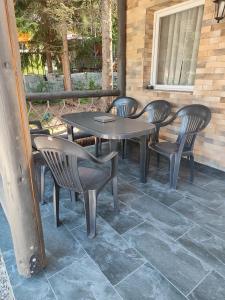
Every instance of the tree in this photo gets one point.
(52, 17)
(95, 21)
(107, 59)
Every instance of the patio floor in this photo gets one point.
(163, 245)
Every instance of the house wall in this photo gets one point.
(209, 88)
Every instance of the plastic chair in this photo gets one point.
(156, 112)
(193, 119)
(63, 158)
(124, 107)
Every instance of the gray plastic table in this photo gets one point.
(121, 128)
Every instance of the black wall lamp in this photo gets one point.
(219, 10)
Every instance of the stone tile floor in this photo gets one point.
(164, 244)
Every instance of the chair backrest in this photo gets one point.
(157, 111)
(125, 106)
(62, 158)
(193, 118)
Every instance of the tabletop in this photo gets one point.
(121, 128)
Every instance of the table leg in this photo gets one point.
(70, 133)
(97, 145)
(113, 145)
(143, 158)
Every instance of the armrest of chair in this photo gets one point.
(136, 115)
(109, 109)
(111, 157)
(168, 121)
(104, 159)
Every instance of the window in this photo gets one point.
(175, 45)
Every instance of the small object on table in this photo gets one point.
(104, 119)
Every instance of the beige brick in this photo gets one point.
(209, 88)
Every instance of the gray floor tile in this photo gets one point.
(206, 246)
(168, 220)
(35, 288)
(82, 280)
(122, 221)
(5, 234)
(5, 286)
(129, 170)
(72, 213)
(61, 248)
(159, 175)
(158, 191)
(46, 209)
(212, 288)
(10, 262)
(181, 268)
(113, 255)
(205, 197)
(127, 178)
(147, 284)
(127, 192)
(184, 262)
(208, 218)
(200, 179)
(216, 186)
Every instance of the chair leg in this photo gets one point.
(192, 163)
(171, 170)
(115, 193)
(124, 148)
(148, 160)
(56, 190)
(43, 168)
(176, 171)
(97, 143)
(90, 198)
(73, 196)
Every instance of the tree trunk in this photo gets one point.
(65, 60)
(107, 60)
(16, 165)
(49, 62)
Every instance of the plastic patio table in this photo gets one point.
(121, 128)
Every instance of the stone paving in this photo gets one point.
(164, 244)
(5, 286)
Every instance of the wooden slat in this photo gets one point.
(72, 94)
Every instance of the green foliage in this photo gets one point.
(25, 25)
(44, 18)
(33, 62)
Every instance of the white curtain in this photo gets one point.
(178, 47)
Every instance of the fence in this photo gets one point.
(49, 107)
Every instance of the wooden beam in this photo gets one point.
(16, 164)
(122, 20)
(72, 94)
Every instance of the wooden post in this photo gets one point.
(122, 46)
(16, 166)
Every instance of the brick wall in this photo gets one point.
(209, 88)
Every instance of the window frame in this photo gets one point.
(155, 43)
